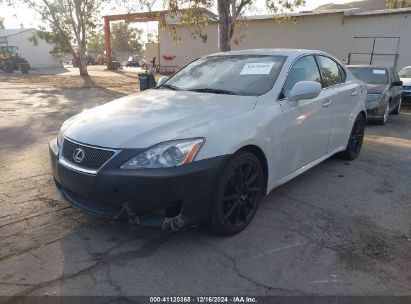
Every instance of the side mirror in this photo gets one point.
(305, 90)
(162, 80)
(397, 83)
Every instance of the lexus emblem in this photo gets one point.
(78, 155)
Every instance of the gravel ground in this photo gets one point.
(343, 228)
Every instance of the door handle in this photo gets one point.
(354, 93)
(327, 103)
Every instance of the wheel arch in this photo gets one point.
(258, 152)
(364, 114)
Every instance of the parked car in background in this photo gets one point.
(132, 62)
(384, 91)
(405, 76)
(207, 143)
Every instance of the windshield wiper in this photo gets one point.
(216, 91)
(170, 86)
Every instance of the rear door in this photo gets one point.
(343, 96)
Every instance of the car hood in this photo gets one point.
(406, 81)
(376, 88)
(150, 117)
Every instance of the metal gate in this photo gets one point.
(381, 51)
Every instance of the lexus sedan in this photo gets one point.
(405, 76)
(384, 91)
(207, 143)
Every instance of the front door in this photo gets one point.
(306, 124)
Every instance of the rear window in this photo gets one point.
(370, 75)
(330, 72)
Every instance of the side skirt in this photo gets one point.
(303, 169)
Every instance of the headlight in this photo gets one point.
(59, 138)
(373, 97)
(169, 154)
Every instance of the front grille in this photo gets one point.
(93, 159)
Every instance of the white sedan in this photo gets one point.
(207, 143)
(405, 76)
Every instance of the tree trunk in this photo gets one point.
(82, 60)
(224, 25)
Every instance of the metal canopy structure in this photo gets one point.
(138, 17)
(129, 18)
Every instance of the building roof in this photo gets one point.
(156, 15)
(274, 52)
(11, 32)
(346, 12)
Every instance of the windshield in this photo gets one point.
(371, 75)
(232, 74)
(405, 73)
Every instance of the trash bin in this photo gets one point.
(147, 81)
(9, 67)
(24, 68)
(114, 65)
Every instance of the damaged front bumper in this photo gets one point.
(171, 198)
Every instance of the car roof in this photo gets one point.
(274, 52)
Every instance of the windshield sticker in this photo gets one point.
(263, 68)
(379, 72)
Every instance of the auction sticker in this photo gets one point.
(263, 68)
(379, 72)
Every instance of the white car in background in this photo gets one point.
(405, 76)
(207, 143)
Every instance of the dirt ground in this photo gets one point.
(343, 228)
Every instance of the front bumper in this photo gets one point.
(406, 95)
(148, 195)
(375, 109)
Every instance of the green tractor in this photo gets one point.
(10, 60)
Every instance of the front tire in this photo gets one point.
(398, 108)
(356, 139)
(384, 118)
(237, 193)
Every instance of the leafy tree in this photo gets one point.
(230, 13)
(1, 23)
(96, 43)
(125, 39)
(398, 3)
(66, 22)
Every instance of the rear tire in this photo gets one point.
(236, 194)
(356, 139)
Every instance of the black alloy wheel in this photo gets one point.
(238, 190)
(356, 139)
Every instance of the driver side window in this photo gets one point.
(304, 69)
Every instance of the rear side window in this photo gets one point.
(330, 72)
(304, 69)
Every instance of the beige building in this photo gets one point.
(38, 56)
(377, 37)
